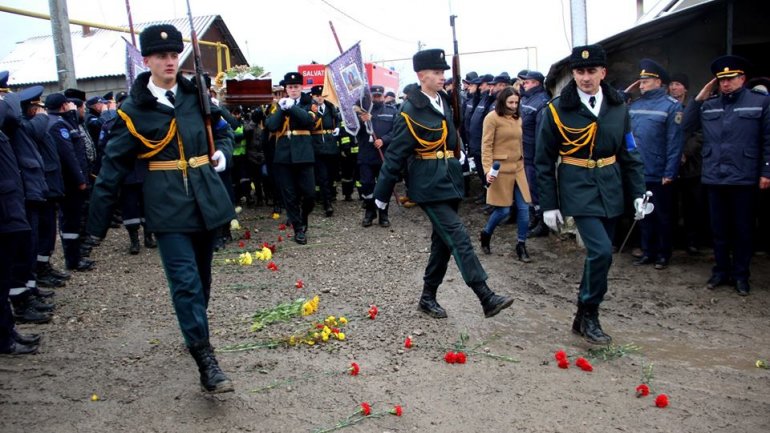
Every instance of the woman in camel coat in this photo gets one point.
(501, 142)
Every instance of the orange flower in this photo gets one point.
(354, 369)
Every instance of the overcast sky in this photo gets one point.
(279, 39)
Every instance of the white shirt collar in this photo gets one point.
(436, 103)
(160, 92)
(584, 97)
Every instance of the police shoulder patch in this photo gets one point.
(678, 117)
(64, 133)
(672, 99)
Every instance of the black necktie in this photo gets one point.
(170, 97)
(592, 101)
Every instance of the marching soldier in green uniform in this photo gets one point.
(326, 150)
(425, 141)
(294, 157)
(588, 127)
(160, 124)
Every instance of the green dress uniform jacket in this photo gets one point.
(173, 204)
(291, 148)
(428, 180)
(599, 191)
(325, 143)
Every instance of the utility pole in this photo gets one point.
(579, 22)
(62, 43)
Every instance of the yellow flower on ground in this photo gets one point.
(94, 397)
(310, 342)
(266, 253)
(340, 336)
(245, 259)
(325, 337)
(327, 330)
(343, 320)
(292, 340)
(276, 215)
(307, 309)
(234, 225)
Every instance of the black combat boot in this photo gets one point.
(428, 303)
(539, 229)
(17, 348)
(39, 305)
(581, 309)
(25, 312)
(213, 380)
(26, 339)
(590, 327)
(521, 252)
(45, 268)
(485, 237)
(370, 213)
(299, 236)
(149, 240)
(490, 302)
(133, 237)
(328, 209)
(383, 217)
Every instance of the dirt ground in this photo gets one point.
(115, 335)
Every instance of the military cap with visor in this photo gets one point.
(54, 101)
(527, 74)
(4, 79)
(31, 96)
(470, 76)
(160, 38)
(377, 90)
(729, 66)
(649, 68)
(432, 59)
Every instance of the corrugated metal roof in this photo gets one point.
(101, 54)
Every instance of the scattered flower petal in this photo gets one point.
(460, 357)
(373, 311)
(560, 355)
(299, 284)
(397, 411)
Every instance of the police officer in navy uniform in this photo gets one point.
(656, 121)
(600, 172)
(161, 123)
(425, 141)
(94, 121)
(63, 129)
(294, 157)
(327, 151)
(14, 231)
(476, 126)
(736, 159)
(372, 144)
(534, 98)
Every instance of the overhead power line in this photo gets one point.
(365, 25)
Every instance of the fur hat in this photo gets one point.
(587, 56)
(160, 38)
(430, 59)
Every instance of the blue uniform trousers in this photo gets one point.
(369, 174)
(529, 169)
(186, 259)
(47, 231)
(596, 233)
(732, 211)
(69, 226)
(9, 253)
(656, 227)
(132, 204)
(325, 172)
(450, 239)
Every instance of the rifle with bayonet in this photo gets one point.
(200, 82)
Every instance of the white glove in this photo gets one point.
(336, 132)
(219, 157)
(552, 219)
(462, 157)
(380, 204)
(286, 103)
(641, 208)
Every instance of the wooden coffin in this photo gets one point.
(249, 92)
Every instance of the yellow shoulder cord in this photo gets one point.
(155, 146)
(283, 130)
(584, 137)
(318, 124)
(427, 145)
(182, 162)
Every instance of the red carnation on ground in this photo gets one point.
(642, 390)
(366, 409)
(242, 244)
(299, 284)
(397, 411)
(560, 355)
(280, 238)
(272, 266)
(335, 330)
(584, 364)
(408, 342)
(354, 369)
(661, 400)
(247, 235)
(450, 358)
(373, 311)
(282, 227)
(563, 363)
(460, 357)
(319, 326)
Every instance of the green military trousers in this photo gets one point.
(597, 236)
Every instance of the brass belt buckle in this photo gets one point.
(600, 162)
(193, 162)
(590, 163)
(440, 154)
(181, 164)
